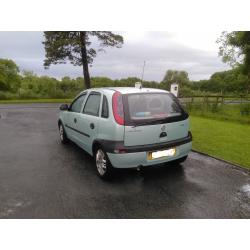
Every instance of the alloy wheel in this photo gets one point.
(61, 132)
(101, 162)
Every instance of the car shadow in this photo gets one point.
(156, 172)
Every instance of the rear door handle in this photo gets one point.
(92, 125)
(75, 120)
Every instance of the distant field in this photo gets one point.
(223, 139)
(227, 112)
(36, 101)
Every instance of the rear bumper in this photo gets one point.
(139, 157)
(111, 146)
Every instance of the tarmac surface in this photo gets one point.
(41, 178)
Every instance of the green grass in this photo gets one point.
(223, 139)
(35, 101)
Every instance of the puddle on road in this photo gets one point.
(242, 198)
(12, 207)
(246, 190)
(2, 116)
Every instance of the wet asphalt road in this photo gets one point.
(41, 178)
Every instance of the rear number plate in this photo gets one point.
(162, 153)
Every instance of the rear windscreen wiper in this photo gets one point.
(150, 122)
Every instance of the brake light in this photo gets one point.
(117, 105)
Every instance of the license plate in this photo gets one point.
(162, 153)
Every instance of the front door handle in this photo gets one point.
(92, 125)
(75, 120)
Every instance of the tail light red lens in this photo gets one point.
(118, 108)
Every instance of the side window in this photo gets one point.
(105, 108)
(92, 104)
(76, 106)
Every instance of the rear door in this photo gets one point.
(152, 118)
(88, 120)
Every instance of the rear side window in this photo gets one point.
(76, 106)
(105, 108)
(92, 104)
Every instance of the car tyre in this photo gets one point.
(103, 166)
(63, 137)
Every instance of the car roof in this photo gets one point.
(131, 90)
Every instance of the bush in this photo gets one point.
(4, 95)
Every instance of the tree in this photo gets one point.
(235, 50)
(75, 46)
(230, 81)
(29, 80)
(9, 75)
(175, 76)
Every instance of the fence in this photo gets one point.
(215, 99)
(237, 104)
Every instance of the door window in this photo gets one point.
(92, 104)
(76, 106)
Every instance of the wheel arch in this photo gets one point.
(95, 145)
(59, 122)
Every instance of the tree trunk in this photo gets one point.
(85, 60)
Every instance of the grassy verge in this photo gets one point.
(35, 101)
(223, 139)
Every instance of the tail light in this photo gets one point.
(118, 108)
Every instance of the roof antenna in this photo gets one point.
(139, 84)
(144, 63)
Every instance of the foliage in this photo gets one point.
(9, 78)
(175, 76)
(33, 86)
(235, 50)
(75, 47)
(50, 100)
(28, 85)
(230, 81)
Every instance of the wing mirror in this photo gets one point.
(64, 107)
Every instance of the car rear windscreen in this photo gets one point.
(152, 107)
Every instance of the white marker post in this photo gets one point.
(174, 89)
(138, 85)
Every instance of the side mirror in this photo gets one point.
(64, 107)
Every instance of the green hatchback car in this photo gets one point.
(127, 127)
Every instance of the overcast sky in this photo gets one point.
(194, 52)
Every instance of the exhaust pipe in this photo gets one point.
(139, 168)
